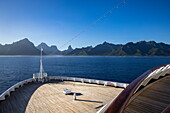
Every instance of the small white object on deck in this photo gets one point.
(66, 91)
(74, 96)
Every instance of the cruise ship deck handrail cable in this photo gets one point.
(95, 22)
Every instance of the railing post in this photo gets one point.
(82, 80)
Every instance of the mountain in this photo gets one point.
(104, 49)
(22, 47)
(81, 51)
(142, 48)
(53, 50)
(65, 52)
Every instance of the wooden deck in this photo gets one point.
(48, 98)
(152, 99)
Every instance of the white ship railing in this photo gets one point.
(14, 87)
(37, 75)
(50, 78)
(91, 81)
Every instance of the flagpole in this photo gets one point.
(41, 68)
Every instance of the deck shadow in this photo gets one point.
(77, 94)
(89, 101)
(99, 106)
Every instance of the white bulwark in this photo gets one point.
(41, 76)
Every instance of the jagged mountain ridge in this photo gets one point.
(26, 47)
(141, 48)
(53, 50)
(22, 47)
(65, 52)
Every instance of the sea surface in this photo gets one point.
(120, 69)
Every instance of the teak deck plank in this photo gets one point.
(153, 99)
(49, 98)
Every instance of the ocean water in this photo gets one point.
(120, 69)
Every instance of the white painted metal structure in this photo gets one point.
(90, 81)
(66, 91)
(151, 74)
(155, 74)
(41, 76)
(14, 87)
(51, 78)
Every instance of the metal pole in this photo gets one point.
(74, 96)
(41, 64)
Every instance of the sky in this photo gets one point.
(55, 22)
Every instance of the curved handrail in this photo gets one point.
(12, 88)
(166, 110)
(91, 81)
(119, 103)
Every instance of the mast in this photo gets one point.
(41, 66)
(41, 76)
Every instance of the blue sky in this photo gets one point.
(57, 21)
